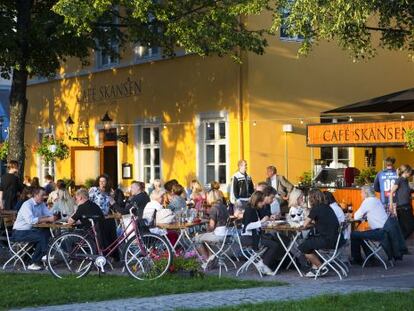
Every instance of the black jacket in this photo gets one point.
(393, 242)
(139, 201)
(242, 186)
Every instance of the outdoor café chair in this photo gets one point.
(220, 249)
(253, 257)
(18, 249)
(331, 257)
(376, 251)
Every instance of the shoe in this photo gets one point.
(313, 272)
(34, 267)
(44, 258)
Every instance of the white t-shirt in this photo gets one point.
(338, 212)
(374, 211)
(149, 210)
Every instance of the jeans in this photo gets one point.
(357, 238)
(39, 237)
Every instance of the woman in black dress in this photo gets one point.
(400, 204)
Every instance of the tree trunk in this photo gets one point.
(18, 100)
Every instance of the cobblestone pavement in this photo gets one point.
(399, 278)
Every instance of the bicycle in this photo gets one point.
(146, 256)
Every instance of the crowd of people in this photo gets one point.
(317, 212)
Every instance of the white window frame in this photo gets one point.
(43, 168)
(101, 55)
(201, 151)
(152, 146)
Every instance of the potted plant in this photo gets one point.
(89, 183)
(52, 149)
(188, 265)
(366, 176)
(305, 180)
(409, 139)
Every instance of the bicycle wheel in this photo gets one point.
(70, 255)
(149, 263)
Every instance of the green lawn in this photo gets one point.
(366, 301)
(28, 289)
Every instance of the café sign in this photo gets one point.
(358, 134)
(113, 91)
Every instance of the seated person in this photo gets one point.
(217, 223)
(86, 209)
(138, 198)
(297, 207)
(156, 204)
(330, 200)
(269, 192)
(177, 202)
(373, 210)
(34, 211)
(252, 235)
(326, 225)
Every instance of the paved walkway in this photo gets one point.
(251, 295)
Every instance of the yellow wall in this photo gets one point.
(173, 90)
(286, 88)
(274, 89)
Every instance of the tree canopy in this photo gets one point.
(360, 26)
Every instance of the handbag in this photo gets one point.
(165, 216)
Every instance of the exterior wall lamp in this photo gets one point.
(83, 139)
(107, 120)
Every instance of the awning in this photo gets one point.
(402, 101)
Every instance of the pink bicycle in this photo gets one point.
(146, 256)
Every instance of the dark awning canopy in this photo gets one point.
(399, 102)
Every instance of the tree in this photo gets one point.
(37, 35)
(360, 26)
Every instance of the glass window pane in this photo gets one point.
(222, 130)
(222, 153)
(147, 174)
(210, 176)
(147, 156)
(222, 174)
(326, 153)
(210, 131)
(156, 156)
(343, 153)
(146, 135)
(210, 153)
(156, 132)
(157, 172)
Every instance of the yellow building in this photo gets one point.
(192, 117)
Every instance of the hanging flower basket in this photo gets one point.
(53, 149)
(4, 150)
(409, 139)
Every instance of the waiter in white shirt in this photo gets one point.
(373, 210)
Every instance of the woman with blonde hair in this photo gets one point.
(296, 204)
(61, 200)
(216, 226)
(198, 195)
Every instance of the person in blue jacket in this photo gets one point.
(385, 179)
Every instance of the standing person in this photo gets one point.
(33, 211)
(281, 184)
(402, 207)
(241, 188)
(326, 225)
(385, 179)
(49, 184)
(10, 186)
(100, 195)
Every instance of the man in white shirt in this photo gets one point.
(33, 211)
(155, 205)
(373, 210)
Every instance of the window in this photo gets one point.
(45, 168)
(283, 27)
(214, 149)
(150, 153)
(336, 154)
(106, 58)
